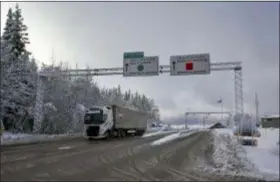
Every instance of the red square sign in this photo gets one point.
(189, 66)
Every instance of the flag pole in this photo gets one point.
(221, 108)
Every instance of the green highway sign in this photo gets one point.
(146, 66)
(133, 55)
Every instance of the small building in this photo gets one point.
(270, 121)
(217, 125)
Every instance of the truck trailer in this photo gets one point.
(113, 121)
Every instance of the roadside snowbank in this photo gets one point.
(177, 127)
(192, 126)
(262, 160)
(229, 156)
(175, 136)
(159, 132)
(199, 126)
(8, 138)
(166, 139)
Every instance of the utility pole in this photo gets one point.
(257, 108)
(222, 110)
(186, 120)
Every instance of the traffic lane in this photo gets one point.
(19, 164)
(50, 149)
(134, 163)
(173, 161)
(70, 140)
(178, 160)
(37, 145)
(151, 163)
(54, 145)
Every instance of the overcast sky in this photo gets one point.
(97, 34)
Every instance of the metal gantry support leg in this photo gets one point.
(39, 104)
(238, 88)
(186, 121)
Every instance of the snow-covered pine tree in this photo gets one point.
(116, 97)
(9, 23)
(58, 94)
(5, 47)
(18, 89)
(20, 35)
(6, 64)
(126, 96)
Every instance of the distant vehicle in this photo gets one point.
(247, 129)
(114, 121)
(247, 132)
(166, 128)
(248, 141)
(156, 125)
(153, 125)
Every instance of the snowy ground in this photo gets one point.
(264, 156)
(181, 132)
(178, 127)
(8, 138)
(159, 132)
(165, 129)
(199, 126)
(174, 136)
(229, 157)
(193, 126)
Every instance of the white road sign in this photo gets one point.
(193, 64)
(146, 66)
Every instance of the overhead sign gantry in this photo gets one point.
(137, 64)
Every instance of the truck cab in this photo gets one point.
(98, 121)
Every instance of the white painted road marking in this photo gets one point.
(65, 147)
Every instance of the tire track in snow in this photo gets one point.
(130, 160)
(173, 160)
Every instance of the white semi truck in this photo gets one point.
(113, 121)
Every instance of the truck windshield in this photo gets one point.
(94, 118)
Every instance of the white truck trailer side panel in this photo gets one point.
(127, 119)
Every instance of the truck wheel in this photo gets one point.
(122, 133)
(141, 133)
(108, 135)
(118, 133)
